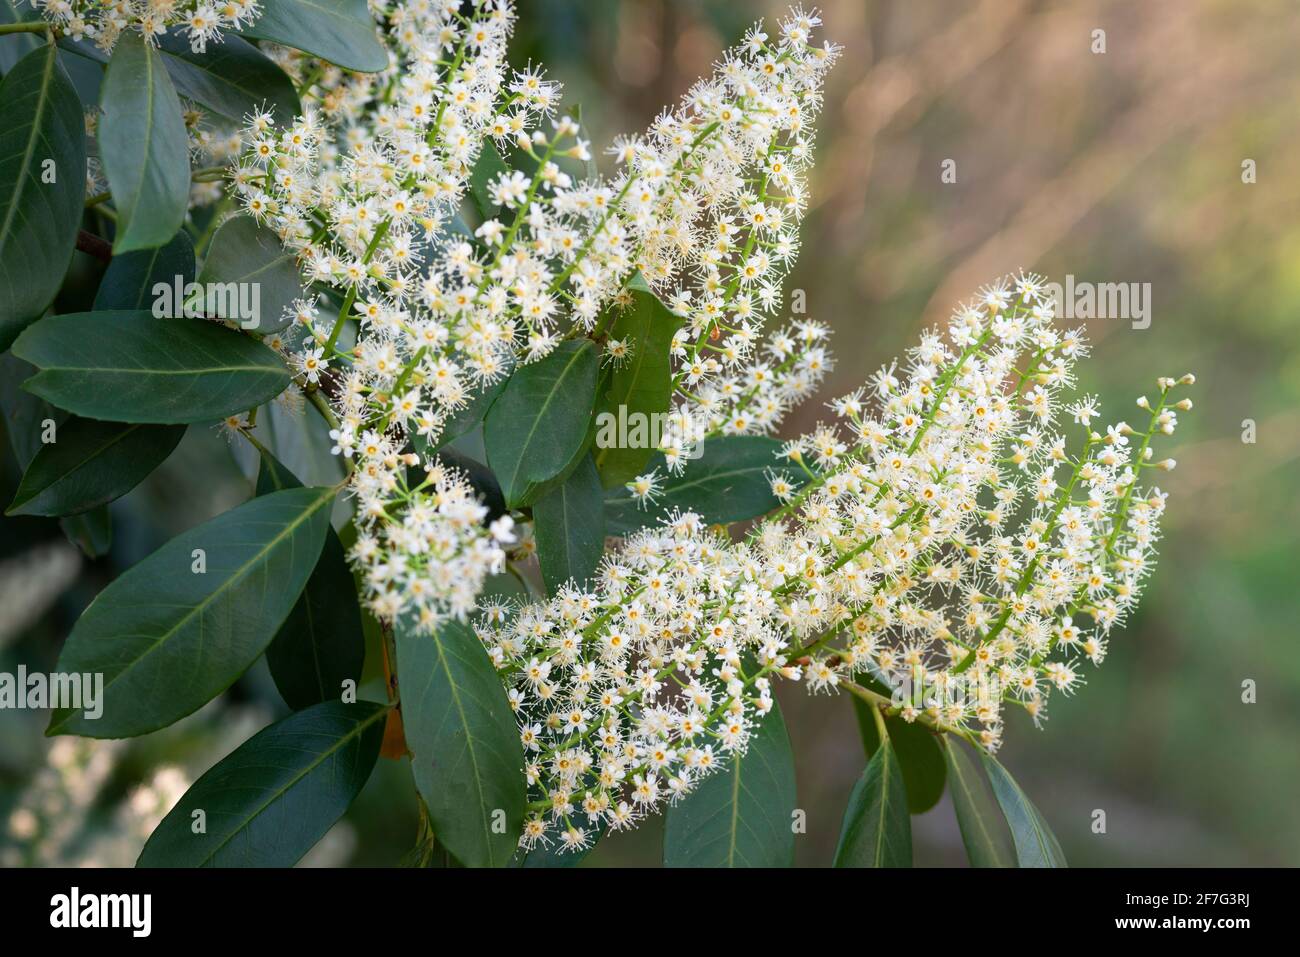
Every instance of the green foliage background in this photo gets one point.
(1119, 167)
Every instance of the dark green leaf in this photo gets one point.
(535, 491)
(43, 135)
(300, 443)
(92, 531)
(1036, 845)
(130, 278)
(487, 169)
(465, 752)
(131, 367)
(640, 389)
(268, 802)
(742, 814)
(917, 750)
(26, 416)
(87, 74)
(25, 419)
(244, 254)
(321, 644)
(91, 463)
(85, 51)
(570, 529)
(143, 146)
(727, 483)
(877, 831)
(168, 638)
(15, 46)
(341, 31)
(85, 64)
(983, 829)
(540, 420)
(232, 78)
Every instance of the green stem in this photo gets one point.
(26, 26)
(880, 704)
(209, 174)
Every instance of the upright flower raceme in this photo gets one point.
(367, 188)
(948, 542)
(945, 537)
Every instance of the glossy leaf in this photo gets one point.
(84, 50)
(321, 644)
(143, 146)
(91, 463)
(727, 483)
(877, 830)
(639, 389)
(15, 46)
(232, 78)
(42, 135)
(177, 629)
(918, 754)
(92, 531)
(466, 757)
(25, 420)
(131, 367)
(130, 279)
(1036, 845)
(535, 491)
(268, 802)
(300, 443)
(742, 814)
(540, 420)
(86, 73)
(983, 828)
(341, 31)
(26, 417)
(245, 256)
(570, 529)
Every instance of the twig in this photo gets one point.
(25, 26)
(93, 245)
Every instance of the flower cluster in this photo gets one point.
(946, 539)
(370, 189)
(102, 22)
(720, 249)
(947, 542)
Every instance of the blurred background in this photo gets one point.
(1122, 166)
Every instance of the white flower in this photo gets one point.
(501, 530)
